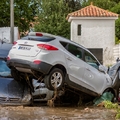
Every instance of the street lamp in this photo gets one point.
(11, 21)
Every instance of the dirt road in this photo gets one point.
(56, 113)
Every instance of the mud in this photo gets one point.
(42, 112)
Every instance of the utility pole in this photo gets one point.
(11, 21)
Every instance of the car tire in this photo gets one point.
(15, 74)
(55, 79)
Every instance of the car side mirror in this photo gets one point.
(102, 69)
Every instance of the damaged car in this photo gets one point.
(61, 64)
(41, 93)
(12, 92)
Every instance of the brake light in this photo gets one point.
(8, 58)
(37, 61)
(35, 34)
(46, 47)
(14, 43)
(39, 34)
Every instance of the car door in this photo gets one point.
(75, 64)
(96, 80)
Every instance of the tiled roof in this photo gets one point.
(92, 11)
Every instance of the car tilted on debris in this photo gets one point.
(61, 64)
(12, 92)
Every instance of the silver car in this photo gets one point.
(60, 63)
(41, 93)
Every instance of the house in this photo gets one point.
(94, 28)
(5, 34)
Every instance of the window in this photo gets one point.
(79, 29)
(75, 50)
(64, 44)
(91, 60)
(39, 38)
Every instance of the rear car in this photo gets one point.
(11, 91)
(59, 63)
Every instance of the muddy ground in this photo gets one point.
(43, 112)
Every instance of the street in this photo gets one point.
(43, 112)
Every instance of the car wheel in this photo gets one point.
(15, 74)
(55, 79)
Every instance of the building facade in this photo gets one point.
(94, 28)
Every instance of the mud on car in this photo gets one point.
(61, 64)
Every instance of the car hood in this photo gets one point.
(9, 88)
(4, 49)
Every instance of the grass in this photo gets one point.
(110, 105)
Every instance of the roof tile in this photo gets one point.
(92, 11)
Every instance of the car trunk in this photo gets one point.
(26, 48)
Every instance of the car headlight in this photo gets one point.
(27, 98)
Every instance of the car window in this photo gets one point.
(4, 70)
(75, 50)
(64, 44)
(89, 58)
(39, 38)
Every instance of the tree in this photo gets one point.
(105, 4)
(4, 13)
(52, 16)
(24, 13)
(116, 9)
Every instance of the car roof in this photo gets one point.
(4, 49)
(47, 37)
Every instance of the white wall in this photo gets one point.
(5, 33)
(96, 33)
(116, 52)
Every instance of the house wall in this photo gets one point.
(5, 34)
(116, 52)
(96, 33)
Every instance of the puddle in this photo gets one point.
(56, 113)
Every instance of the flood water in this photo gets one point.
(42, 112)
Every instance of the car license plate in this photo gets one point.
(24, 48)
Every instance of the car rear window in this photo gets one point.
(39, 38)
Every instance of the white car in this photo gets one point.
(41, 93)
(60, 63)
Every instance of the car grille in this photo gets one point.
(43, 96)
(7, 99)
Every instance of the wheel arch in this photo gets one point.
(55, 69)
(60, 67)
(111, 90)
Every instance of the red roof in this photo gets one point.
(92, 11)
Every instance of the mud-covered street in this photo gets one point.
(43, 112)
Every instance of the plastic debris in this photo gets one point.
(106, 96)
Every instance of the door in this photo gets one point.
(75, 64)
(96, 80)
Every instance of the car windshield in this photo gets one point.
(4, 70)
